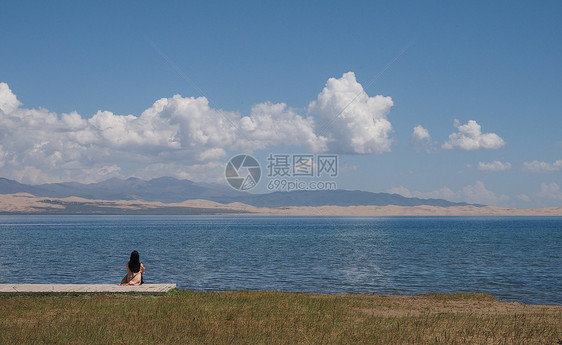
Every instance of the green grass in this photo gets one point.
(187, 317)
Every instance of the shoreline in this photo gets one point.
(171, 288)
(27, 204)
(266, 215)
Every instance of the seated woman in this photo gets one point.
(135, 269)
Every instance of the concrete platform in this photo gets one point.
(86, 288)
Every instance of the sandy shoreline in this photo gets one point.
(23, 203)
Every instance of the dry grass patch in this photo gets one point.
(186, 317)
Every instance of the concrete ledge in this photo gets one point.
(86, 288)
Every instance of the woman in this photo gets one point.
(135, 269)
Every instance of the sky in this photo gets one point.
(453, 100)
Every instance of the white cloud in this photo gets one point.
(538, 166)
(477, 194)
(8, 101)
(400, 190)
(420, 139)
(420, 133)
(551, 191)
(271, 125)
(494, 166)
(212, 154)
(470, 137)
(549, 195)
(180, 134)
(443, 193)
(2, 157)
(352, 121)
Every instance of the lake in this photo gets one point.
(512, 258)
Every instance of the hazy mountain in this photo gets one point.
(339, 198)
(169, 189)
(165, 189)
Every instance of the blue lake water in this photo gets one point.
(512, 258)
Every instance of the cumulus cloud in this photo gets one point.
(350, 120)
(420, 139)
(548, 195)
(442, 193)
(182, 136)
(494, 166)
(401, 190)
(476, 193)
(420, 133)
(2, 157)
(8, 101)
(551, 192)
(40, 146)
(470, 138)
(538, 166)
(271, 125)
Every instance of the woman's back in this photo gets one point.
(135, 269)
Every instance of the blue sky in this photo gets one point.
(497, 64)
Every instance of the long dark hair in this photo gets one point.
(134, 262)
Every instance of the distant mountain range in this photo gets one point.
(164, 189)
(171, 190)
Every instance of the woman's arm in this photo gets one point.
(142, 268)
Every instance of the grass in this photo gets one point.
(188, 317)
